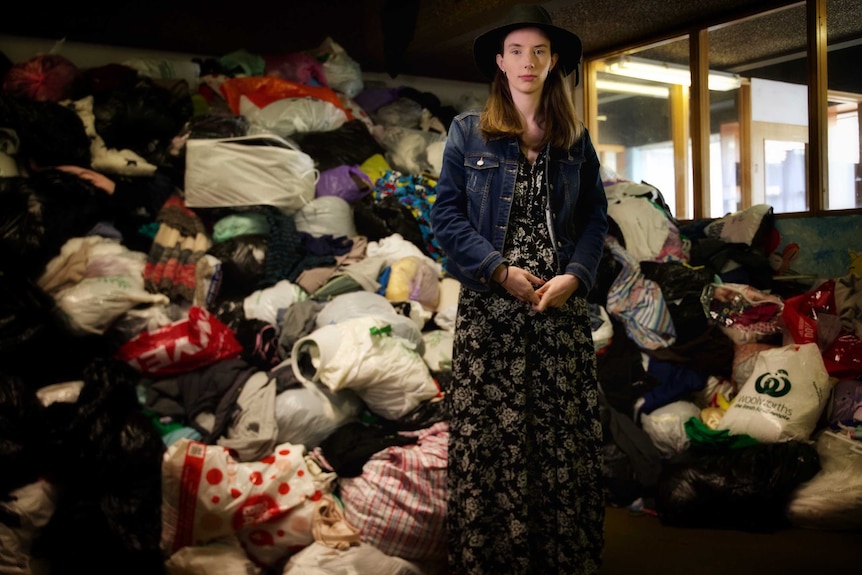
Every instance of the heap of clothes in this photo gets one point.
(226, 332)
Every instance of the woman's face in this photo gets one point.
(526, 59)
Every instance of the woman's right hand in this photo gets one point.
(521, 284)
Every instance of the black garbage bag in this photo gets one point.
(744, 488)
(35, 343)
(24, 312)
(50, 134)
(38, 214)
(21, 448)
(243, 264)
(677, 279)
(104, 456)
(143, 116)
(350, 144)
(379, 219)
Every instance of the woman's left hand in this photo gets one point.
(556, 291)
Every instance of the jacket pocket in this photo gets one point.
(479, 170)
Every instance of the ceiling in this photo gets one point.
(431, 38)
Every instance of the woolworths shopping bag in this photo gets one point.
(783, 397)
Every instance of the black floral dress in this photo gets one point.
(525, 434)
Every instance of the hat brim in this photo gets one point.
(564, 43)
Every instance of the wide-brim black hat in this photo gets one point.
(564, 43)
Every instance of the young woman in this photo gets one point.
(522, 216)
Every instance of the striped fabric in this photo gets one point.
(638, 303)
(399, 501)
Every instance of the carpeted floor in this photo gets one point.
(639, 544)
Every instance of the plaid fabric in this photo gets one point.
(399, 501)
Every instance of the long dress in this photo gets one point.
(525, 434)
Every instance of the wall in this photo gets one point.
(84, 55)
(825, 244)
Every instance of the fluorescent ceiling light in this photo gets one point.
(666, 73)
(633, 88)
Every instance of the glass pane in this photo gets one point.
(637, 120)
(785, 175)
(845, 93)
(725, 182)
(766, 167)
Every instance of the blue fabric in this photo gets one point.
(474, 198)
(675, 382)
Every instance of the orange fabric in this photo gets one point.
(263, 90)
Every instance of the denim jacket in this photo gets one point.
(470, 215)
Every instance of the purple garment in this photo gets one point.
(373, 98)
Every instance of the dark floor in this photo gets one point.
(642, 545)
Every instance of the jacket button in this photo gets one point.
(480, 163)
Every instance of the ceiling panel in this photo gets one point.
(423, 38)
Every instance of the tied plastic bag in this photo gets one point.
(207, 494)
(183, 346)
(288, 116)
(342, 72)
(784, 396)
(814, 317)
(348, 182)
(309, 413)
(261, 169)
(364, 354)
(666, 426)
(744, 313)
(96, 280)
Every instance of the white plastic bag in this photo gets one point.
(268, 304)
(439, 344)
(260, 169)
(288, 116)
(343, 73)
(784, 396)
(310, 413)
(319, 559)
(666, 426)
(224, 556)
(95, 280)
(208, 495)
(364, 355)
(832, 499)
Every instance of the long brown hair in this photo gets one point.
(560, 120)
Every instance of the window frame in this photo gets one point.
(699, 113)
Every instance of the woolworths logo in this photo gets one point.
(773, 384)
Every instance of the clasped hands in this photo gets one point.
(522, 284)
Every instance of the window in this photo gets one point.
(637, 119)
(749, 139)
(844, 49)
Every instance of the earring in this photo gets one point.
(503, 71)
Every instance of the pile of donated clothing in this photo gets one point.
(227, 334)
